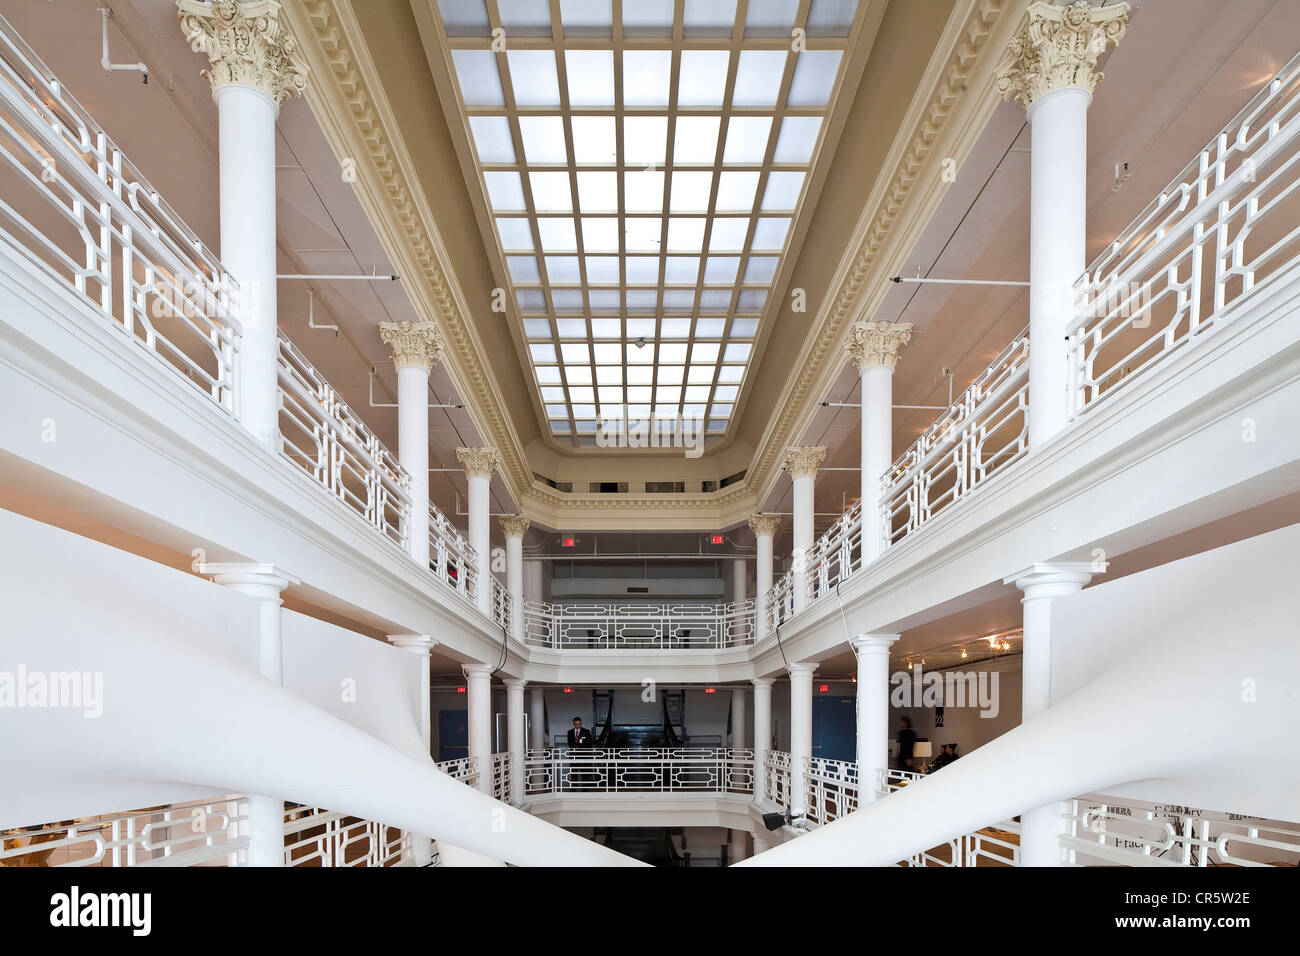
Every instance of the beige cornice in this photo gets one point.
(942, 123)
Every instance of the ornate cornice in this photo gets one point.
(514, 526)
(479, 462)
(247, 45)
(762, 524)
(877, 343)
(414, 344)
(804, 461)
(1058, 47)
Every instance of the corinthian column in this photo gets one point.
(874, 347)
(416, 347)
(479, 464)
(254, 68)
(1050, 69)
(802, 463)
(764, 527)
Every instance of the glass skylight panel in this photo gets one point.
(679, 300)
(551, 192)
(743, 328)
(604, 300)
(537, 328)
(768, 18)
(544, 139)
(642, 235)
(814, 77)
(695, 140)
(760, 269)
(567, 300)
(758, 77)
(533, 78)
(831, 18)
(700, 375)
(523, 269)
(642, 270)
(721, 270)
(797, 139)
(751, 300)
(770, 233)
(640, 354)
(709, 328)
(602, 270)
(505, 190)
(600, 235)
(782, 191)
(642, 300)
(728, 235)
(690, 192)
(594, 142)
(525, 17)
(531, 300)
(548, 375)
(479, 78)
(675, 328)
(640, 328)
(647, 17)
(586, 17)
(557, 234)
(492, 139)
(643, 191)
(709, 17)
(590, 77)
(746, 140)
(516, 234)
(464, 18)
(702, 77)
(686, 234)
(563, 269)
(731, 373)
(597, 192)
(645, 140)
(736, 352)
(543, 354)
(606, 329)
(679, 270)
(571, 328)
(574, 352)
(736, 190)
(646, 76)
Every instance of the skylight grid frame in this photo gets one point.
(617, 42)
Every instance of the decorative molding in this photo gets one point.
(514, 526)
(1058, 47)
(247, 45)
(414, 344)
(877, 343)
(762, 524)
(479, 462)
(803, 461)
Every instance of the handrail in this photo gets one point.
(660, 626)
(717, 770)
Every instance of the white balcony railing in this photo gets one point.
(501, 776)
(1223, 228)
(78, 209)
(836, 556)
(501, 603)
(676, 770)
(639, 626)
(464, 769)
(830, 789)
(451, 556)
(776, 777)
(315, 837)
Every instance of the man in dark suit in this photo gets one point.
(579, 736)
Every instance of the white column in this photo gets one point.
(1050, 70)
(762, 733)
(802, 463)
(416, 347)
(873, 347)
(764, 527)
(478, 688)
(515, 737)
(737, 718)
(479, 464)
(1040, 829)
(514, 528)
(264, 583)
(420, 645)
(801, 698)
(254, 69)
(536, 719)
(873, 709)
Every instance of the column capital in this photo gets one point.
(764, 682)
(479, 462)
(764, 525)
(1058, 47)
(874, 643)
(476, 671)
(1054, 578)
(414, 344)
(802, 670)
(877, 343)
(514, 526)
(514, 681)
(248, 574)
(420, 644)
(804, 460)
(247, 44)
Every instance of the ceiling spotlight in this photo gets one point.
(640, 343)
(963, 653)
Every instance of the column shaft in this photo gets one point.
(801, 731)
(413, 452)
(873, 710)
(478, 688)
(762, 732)
(515, 737)
(480, 537)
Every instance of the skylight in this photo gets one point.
(642, 163)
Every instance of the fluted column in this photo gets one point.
(762, 733)
(874, 347)
(802, 463)
(478, 719)
(873, 709)
(416, 347)
(255, 67)
(1042, 584)
(515, 737)
(764, 527)
(1050, 69)
(264, 583)
(514, 527)
(801, 698)
(479, 464)
(421, 645)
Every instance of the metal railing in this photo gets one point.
(501, 776)
(776, 777)
(502, 606)
(830, 789)
(1153, 291)
(452, 559)
(834, 557)
(314, 837)
(464, 769)
(639, 626)
(78, 209)
(671, 770)
(197, 833)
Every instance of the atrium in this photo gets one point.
(695, 433)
